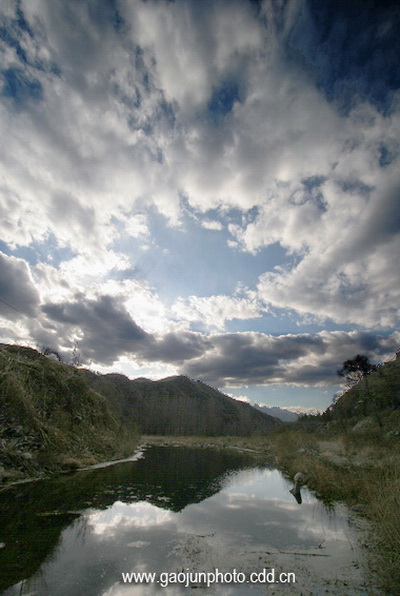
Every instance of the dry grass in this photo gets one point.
(384, 510)
(358, 469)
(51, 419)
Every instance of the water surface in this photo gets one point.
(177, 509)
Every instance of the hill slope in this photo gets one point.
(51, 418)
(53, 415)
(181, 406)
(375, 393)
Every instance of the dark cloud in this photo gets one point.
(18, 294)
(304, 359)
(108, 330)
(175, 348)
(249, 358)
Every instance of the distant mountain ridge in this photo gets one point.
(277, 412)
(179, 405)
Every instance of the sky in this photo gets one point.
(202, 188)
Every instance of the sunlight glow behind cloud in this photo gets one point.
(205, 189)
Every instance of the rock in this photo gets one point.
(299, 479)
(28, 456)
(363, 424)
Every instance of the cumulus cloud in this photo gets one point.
(311, 360)
(346, 271)
(105, 328)
(268, 124)
(18, 294)
(214, 311)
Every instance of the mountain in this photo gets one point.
(55, 416)
(276, 412)
(181, 406)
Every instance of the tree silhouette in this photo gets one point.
(353, 370)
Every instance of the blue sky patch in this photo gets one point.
(20, 88)
(222, 100)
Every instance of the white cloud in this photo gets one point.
(142, 303)
(210, 224)
(105, 126)
(243, 398)
(193, 45)
(137, 226)
(214, 311)
(126, 517)
(301, 410)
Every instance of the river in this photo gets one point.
(204, 521)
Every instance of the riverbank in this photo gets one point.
(361, 470)
(17, 464)
(175, 508)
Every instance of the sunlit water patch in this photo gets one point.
(183, 514)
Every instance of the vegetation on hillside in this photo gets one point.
(181, 406)
(351, 453)
(377, 391)
(54, 415)
(50, 418)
